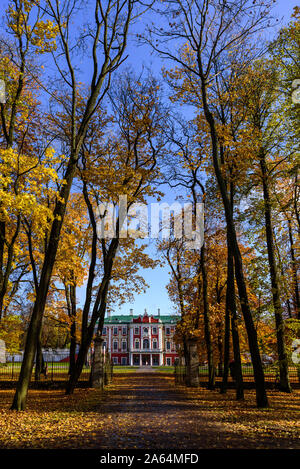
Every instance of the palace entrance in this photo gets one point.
(136, 360)
(145, 359)
(155, 360)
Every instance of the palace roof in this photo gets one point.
(140, 319)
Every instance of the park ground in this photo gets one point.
(147, 411)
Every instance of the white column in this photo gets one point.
(109, 339)
(160, 337)
(150, 359)
(131, 338)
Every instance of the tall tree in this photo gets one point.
(106, 43)
(188, 172)
(260, 98)
(210, 29)
(132, 155)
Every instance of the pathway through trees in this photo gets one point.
(148, 411)
(145, 410)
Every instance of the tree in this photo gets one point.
(284, 52)
(106, 42)
(260, 106)
(186, 164)
(131, 153)
(20, 121)
(210, 29)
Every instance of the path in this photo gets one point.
(147, 411)
(145, 369)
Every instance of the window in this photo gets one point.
(145, 343)
(115, 360)
(104, 331)
(168, 345)
(136, 330)
(124, 330)
(154, 330)
(115, 331)
(145, 330)
(137, 344)
(115, 345)
(124, 345)
(155, 344)
(124, 361)
(168, 361)
(168, 331)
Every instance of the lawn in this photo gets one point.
(124, 369)
(132, 369)
(59, 370)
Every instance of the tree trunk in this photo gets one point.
(39, 361)
(19, 401)
(84, 346)
(231, 320)
(2, 246)
(295, 273)
(207, 333)
(282, 356)
(5, 270)
(226, 340)
(97, 314)
(220, 351)
(261, 396)
(72, 328)
(234, 328)
(185, 353)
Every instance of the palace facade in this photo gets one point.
(140, 340)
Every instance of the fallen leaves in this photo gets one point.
(149, 412)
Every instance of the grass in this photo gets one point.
(130, 369)
(59, 370)
(124, 369)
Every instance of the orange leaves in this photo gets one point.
(70, 263)
(43, 36)
(50, 421)
(149, 412)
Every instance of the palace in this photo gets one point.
(140, 340)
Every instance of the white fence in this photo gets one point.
(55, 355)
